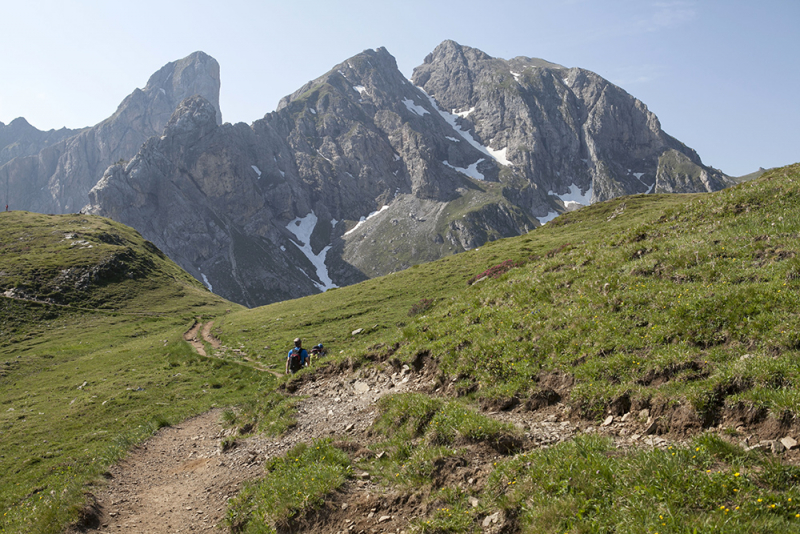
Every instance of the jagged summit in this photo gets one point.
(361, 172)
(57, 176)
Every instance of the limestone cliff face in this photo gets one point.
(20, 139)
(558, 127)
(58, 177)
(360, 172)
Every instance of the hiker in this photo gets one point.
(297, 358)
(317, 351)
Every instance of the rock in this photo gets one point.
(356, 331)
(651, 428)
(384, 518)
(491, 519)
(789, 442)
(361, 387)
(473, 501)
(57, 179)
(608, 420)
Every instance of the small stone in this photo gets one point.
(625, 417)
(473, 501)
(490, 519)
(644, 414)
(344, 507)
(384, 518)
(608, 421)
(357, 331)
(651, 428)
(349, 427)
(789, 442)
(364, 476)
(471, 481)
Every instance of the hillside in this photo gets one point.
(92, 358)
(628, 367)
(649, 321)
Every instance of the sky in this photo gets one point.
(721, 75)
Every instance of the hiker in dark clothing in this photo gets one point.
(297, 358)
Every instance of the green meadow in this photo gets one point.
(682, 304)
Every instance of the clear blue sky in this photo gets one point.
(723, 76)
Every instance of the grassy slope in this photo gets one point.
(675, 303)
(656, 298)
(82, 381)
(670, 290)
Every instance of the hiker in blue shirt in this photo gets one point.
(297, 358)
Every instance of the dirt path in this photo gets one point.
(180, 480)
(191, 337)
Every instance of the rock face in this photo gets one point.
(566, 133)
(57, 177)
(360, 173)
(19, 139)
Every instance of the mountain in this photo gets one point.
(563, 130)
(361, 173)
(57, 177)
(20, 139)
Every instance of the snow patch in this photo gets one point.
(302, 228)
(471, 171)
(574, 197)
(516, 75)
(498, 155)
(334, 222)
(283, 249)
(453, 139)
(462, 114)
(361, 89)
(414, 108)
(547, 218)
(638, 176)
(206, 282)
(258, 171)
(362, 220)
(313, 111)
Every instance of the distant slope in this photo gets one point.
(19, 139)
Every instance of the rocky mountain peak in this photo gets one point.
(196, 74)
(53, 173)
(195, 115)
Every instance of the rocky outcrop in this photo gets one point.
(58, 177)
(360, 173)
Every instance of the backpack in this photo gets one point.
(295, 361)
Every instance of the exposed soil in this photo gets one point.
(180, 480)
